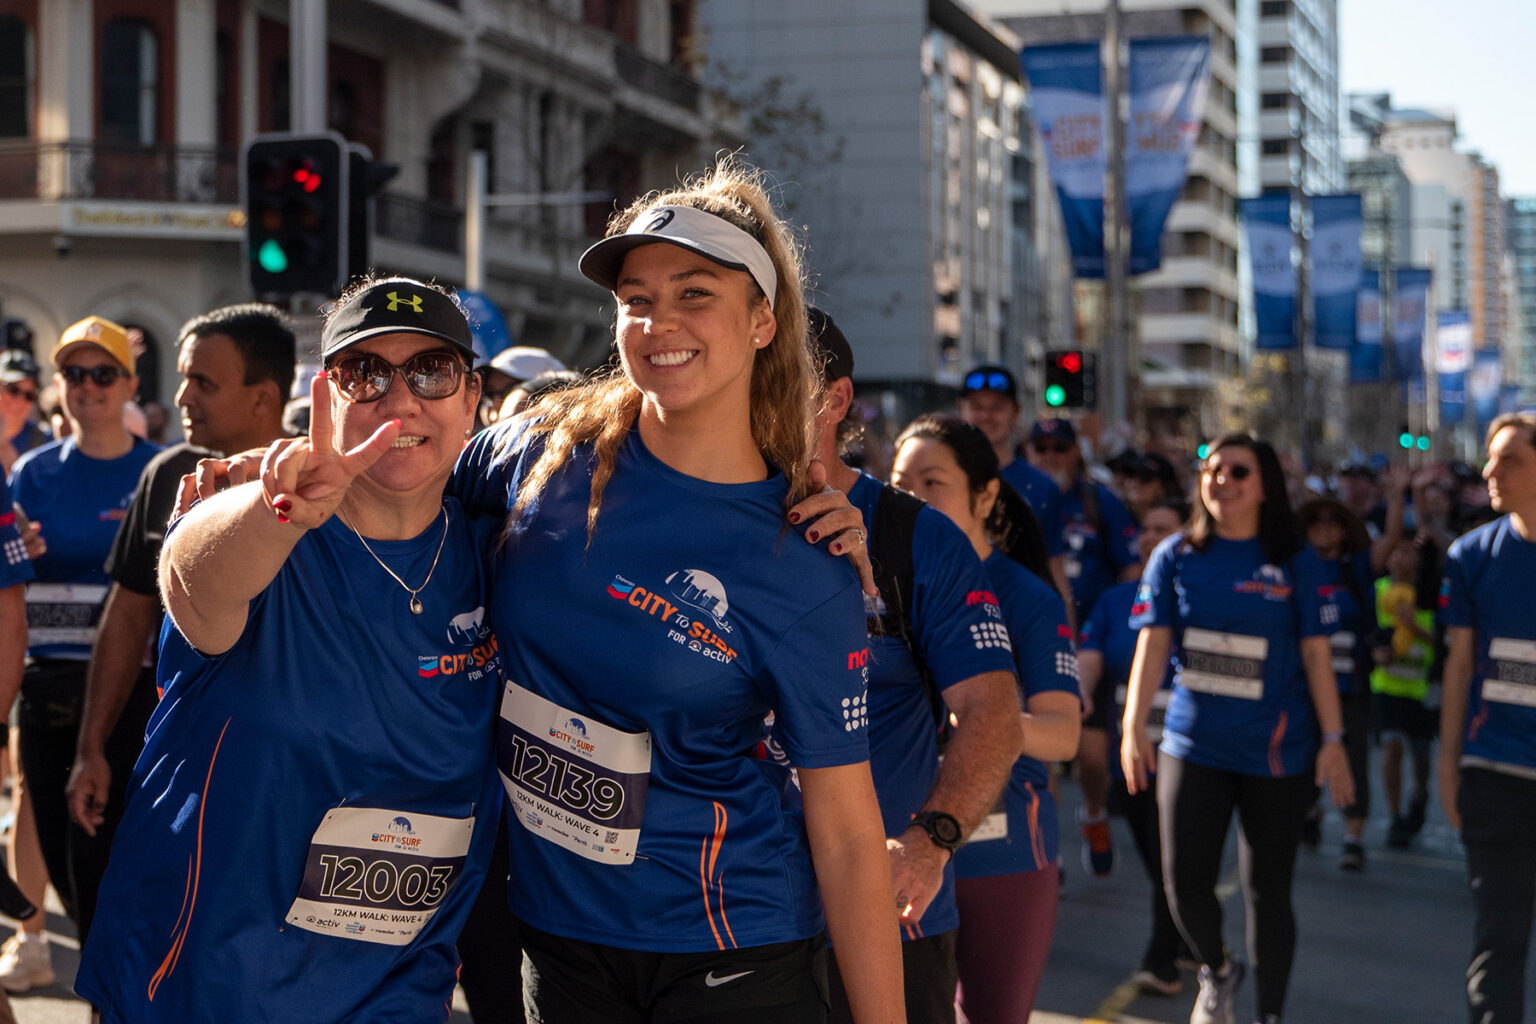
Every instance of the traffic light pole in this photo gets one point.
(478, 199)
(1115, 369)
(306, 66)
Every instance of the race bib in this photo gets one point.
(63, 613)
(1224, 664)
(1156, 711)
(995, 824)
(1342, 646)
(572, 780)
(1513, 679)
(375, 875)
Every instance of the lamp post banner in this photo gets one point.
(1167, 78)
(1067, 95)
(1366, 356)
(1268, 223)
(1335, 255)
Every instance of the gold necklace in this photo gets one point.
(415, 605)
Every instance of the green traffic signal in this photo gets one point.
(1405, 440)
(271, 257)
(1203, 451)
(1423, 443)
(1055, 396)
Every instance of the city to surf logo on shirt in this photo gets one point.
(697, 621)
(1268, 580)
(468, 629)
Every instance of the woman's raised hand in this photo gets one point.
(303, 479)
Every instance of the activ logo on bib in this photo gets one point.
(700, 592)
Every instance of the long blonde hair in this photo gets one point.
(786, 387)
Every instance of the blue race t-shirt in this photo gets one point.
(641, 669)
(1487, 588)
(959, 627)
(79, 502)
(1044, 499)
(1108, 631)
(1097, 548)
(15, 566)
(1342, 613)
(1240, 700)
(314, 809)
(1021, 832)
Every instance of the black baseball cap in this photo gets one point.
(829, 346)
(990, 377)
(396, 305)
(1055, 429)
(16, 365)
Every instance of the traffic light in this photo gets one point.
(1408, 440)
(365, 177)
(1069, 379)
(296, 194)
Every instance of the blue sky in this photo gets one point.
(1475, 56)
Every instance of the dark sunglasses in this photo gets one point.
(16, 389)
(1054, 448)
(104, 375)
(981, 380)
(1238, 472)
(367, 378)
(1326, 521)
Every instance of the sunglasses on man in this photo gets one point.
(17, 391)
(1051, 447)
(103, 376)
(367, 378)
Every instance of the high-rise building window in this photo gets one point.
(130, 82)
(1275, 100)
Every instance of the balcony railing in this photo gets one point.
(415, 221)
(98, 170)
(670, 84)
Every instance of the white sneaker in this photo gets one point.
(25, 965)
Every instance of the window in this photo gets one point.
(1275, 100)
(130, 82)
(1274, 8)
(1276, 147)
(1274, 54)
(15, 78)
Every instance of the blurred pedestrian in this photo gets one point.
(19, 430)
(1487, 766)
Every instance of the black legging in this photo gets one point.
(1196, 804)
(1356, 708)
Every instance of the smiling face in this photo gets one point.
(432, 432)
(1231, 487)
(993, 413)
(90, 406)
(688, 330)
(1156, 526)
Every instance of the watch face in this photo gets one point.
(946, 829)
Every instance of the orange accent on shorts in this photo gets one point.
(194, 877)
(1276, 763)
(709, 851)
(1036, 836)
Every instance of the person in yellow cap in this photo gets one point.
(77, 491)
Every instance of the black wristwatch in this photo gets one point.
(942, 828)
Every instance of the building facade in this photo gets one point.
(1521, 236)
(910, 169)
(120, 136)
(1298, 80)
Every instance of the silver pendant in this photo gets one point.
(415, 606)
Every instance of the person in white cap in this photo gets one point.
(509, 368)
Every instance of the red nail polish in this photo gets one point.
(283, 506)
(282, 519)
(812, 536)
(794, 517)
(836, 549)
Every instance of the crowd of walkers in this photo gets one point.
(677, 692)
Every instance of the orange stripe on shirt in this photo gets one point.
(1036, 836)
(194, 878)
(1276, 763)
(1477, 719)
(709, 852)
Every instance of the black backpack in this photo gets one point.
(890, 553)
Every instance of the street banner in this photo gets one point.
(1410, 299)
(1068, 103)
(1268, 223)
(1453, 359)
(1365, 358)
(1509, 398)
(1167, 79)
(1335, 257)
(1483, 386)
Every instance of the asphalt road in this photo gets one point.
(1388, 945)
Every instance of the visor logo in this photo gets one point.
(662, 220)
(395, 302)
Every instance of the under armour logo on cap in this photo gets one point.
(395, 302)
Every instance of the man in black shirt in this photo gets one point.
(237, 365)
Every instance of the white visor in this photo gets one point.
(712, 237)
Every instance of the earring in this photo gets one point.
(757, 342)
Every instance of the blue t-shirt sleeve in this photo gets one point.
(1316, 612)
(957, 617)
(1122, 529)
(1455, 589)
(1154, 605)
(1050, 516)
(15, 567)
(483, 478)
(1042, 645)
(817, 678)
(1095, 629)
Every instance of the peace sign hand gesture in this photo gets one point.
(303, 479)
